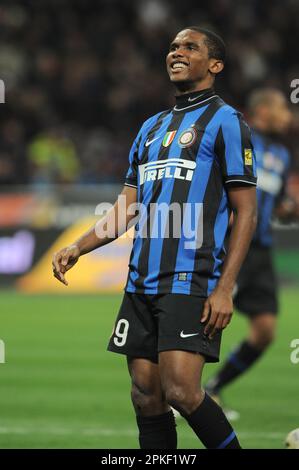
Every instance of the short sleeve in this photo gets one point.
(235, 152)
(131, 176)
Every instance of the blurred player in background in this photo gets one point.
(179, 293)
(256, 288)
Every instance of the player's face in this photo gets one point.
(188, 59)
(279, 115)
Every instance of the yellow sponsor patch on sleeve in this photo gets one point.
(248, 156)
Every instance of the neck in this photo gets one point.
(183, 88)
(194, 98)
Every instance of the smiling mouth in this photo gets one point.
(178, 66)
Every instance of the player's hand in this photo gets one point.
(218, 310)
(64, 260)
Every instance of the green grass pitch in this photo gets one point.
(59, 388)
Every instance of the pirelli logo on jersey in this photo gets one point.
(177, 168)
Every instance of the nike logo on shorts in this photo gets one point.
(183, 335)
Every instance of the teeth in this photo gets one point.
(178, 65)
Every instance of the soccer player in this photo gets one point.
(256, 288)
(196, 156)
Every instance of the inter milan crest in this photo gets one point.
(168, 138)
(187, 137)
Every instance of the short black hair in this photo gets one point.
(214, 43)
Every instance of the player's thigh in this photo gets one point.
(144, 373)
(181, 369)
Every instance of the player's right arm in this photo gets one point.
(67, 257)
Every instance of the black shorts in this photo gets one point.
(149, 324)
(256, 290)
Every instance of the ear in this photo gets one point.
(216, 66)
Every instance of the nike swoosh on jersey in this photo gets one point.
(183, 335)
(195, 98)
(149, 142)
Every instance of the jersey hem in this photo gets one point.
(163, 292)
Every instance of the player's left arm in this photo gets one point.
(236, 158)
(219, 305)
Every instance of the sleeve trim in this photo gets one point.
(241, 179)
(131, 185)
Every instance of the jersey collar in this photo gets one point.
(196, 98)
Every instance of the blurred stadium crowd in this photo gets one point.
(81, 76)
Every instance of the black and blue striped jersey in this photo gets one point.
(186, 156)
(273, 163)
